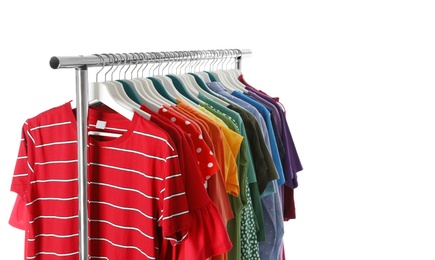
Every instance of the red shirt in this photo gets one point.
(208, 236)
(206, 159)
(136, 190)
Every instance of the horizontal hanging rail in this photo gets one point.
(58, 62)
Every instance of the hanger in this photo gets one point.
(101, 92)
(236, 72)
(237, 53)
(220, 73)
(157, 84)
(129, 84)
(202, 74)
(200, 85)
(231, 74)
(192, 82)
(118, 89)
(147, 89)
(136, 87)
(187, 79)
(166, 81)
(182, 85)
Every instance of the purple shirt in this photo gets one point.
(291, 162)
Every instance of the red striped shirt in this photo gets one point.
(135, 188)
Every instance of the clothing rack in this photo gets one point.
(81, 64)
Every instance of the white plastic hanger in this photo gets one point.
(198, 88)
(166, 81)
(117, 90)
(204, 75)
(147, 88)
(190, 82)
(201, 73)
(138, 87)
(222, 75)
(187, 85)
(231, 74)
(101, 92)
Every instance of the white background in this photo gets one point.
(357, 79)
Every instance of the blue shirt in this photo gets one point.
(220, 90)
(267, 118)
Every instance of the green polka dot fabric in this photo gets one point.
(249, 243)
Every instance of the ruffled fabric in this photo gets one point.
(207, 236)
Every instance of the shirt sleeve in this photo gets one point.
(20, 179)
(174, 218)
(24, 164)
(18, 215)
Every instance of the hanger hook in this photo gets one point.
(160, 63)
(222, 59)
(183, 61)
(118, 62)
(195, 56)
(186, 61)
(127, 61)
(166, 59)
(213, 57)
(101, 61)
(123, 61)
(156, 62)
(140, 55)
(189, 60)
(232, 56)
(110, 62)
(205, 59)
(135, 64)
(171, 61)
(214, 60)
(219, 58)
(146, 55)
(177, 60)
(228, 57)
(195, 60)
(150, 61)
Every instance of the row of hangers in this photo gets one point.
(172, 75)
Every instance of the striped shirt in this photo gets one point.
(136, 196)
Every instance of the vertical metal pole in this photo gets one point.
(82, 118)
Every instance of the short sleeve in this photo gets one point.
(24, 164)
(174, 212)
(18, 217)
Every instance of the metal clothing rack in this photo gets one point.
(81, 64)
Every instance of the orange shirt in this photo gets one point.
(234, 141)
(215, 185)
